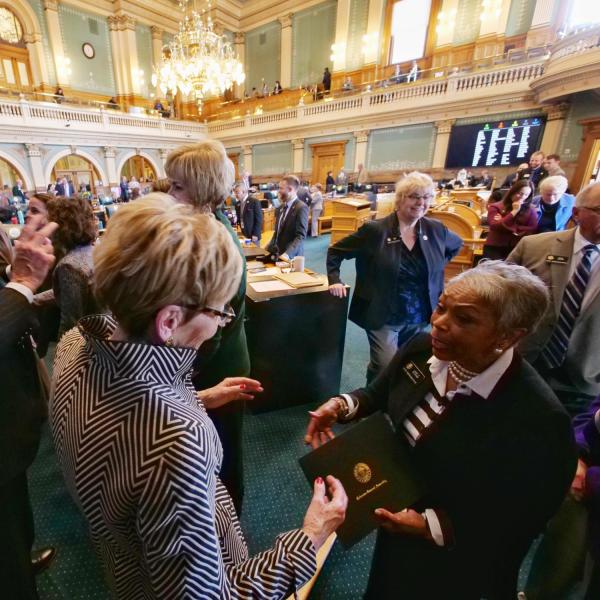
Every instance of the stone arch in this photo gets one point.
(32, 33)
(20, 168)
(90, 158)
(157, 169)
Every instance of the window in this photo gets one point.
(584, 12)
(10, 28)
(410, 20)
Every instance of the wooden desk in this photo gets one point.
(296, 342)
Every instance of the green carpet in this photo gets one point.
(277, 493)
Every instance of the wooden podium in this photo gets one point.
(348, 215)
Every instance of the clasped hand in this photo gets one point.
(319, 431)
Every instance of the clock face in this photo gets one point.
(88, 50)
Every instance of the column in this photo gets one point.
(240, 49)
(341, 35)
(494, 18)
(542, 15)
(61, 62)
(164, 153)
(285, 77)
(556, 115)
(37, 170)
(124, 50)
(540, 31)
(441, 143)
(157, 46)
(35, 49)
(247, 152)
(446, 20)
(360, 154)
(130, 57)
(111, 166)
(374, 31)
(115, 46)
(298, 163)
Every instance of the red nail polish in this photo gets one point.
(319, 480)
(242, 386)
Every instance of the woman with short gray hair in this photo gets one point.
(554, 206)
(400, 262)
(490, 440)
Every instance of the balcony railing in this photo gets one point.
(577, 42)
(512, 78)
(57, 116)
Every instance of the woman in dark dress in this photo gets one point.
(492, 442)
(509, 220)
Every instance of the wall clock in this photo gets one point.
(88, 50)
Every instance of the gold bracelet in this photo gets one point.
(342, 410)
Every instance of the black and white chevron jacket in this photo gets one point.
(141, 458)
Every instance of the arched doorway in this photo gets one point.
(140, 168)
(9, 174)
(78, 169)
(15, 70)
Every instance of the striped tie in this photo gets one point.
(555, 352)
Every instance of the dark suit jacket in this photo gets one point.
(376, 248)
(581, 363)
(289, 238)
(251, 220)
(498, 468)
(226, 353)
(17, 192)
(21, 408)
(588, 442)
(60, 189)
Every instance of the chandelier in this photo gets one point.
(198, 61)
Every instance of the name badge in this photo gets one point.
(561, 260)
(413, 373)
(393, 240)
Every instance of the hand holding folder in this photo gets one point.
(376, 470)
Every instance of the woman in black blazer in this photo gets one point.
(400, 264)
(492, 443)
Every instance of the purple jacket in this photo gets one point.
(587, 437)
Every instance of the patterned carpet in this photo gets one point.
(277, 493)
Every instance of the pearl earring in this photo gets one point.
(498, 350)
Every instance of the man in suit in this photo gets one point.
(291, 222)
(565, 349)
(249, 213)
(568, 357)
(326, 80)
(536, 169)
(17, 190)
(22, 409)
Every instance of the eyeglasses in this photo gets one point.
(224, 316)
(426, 197)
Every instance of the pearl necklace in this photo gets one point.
(459, 373)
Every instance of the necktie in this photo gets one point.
(286, 208)
(555, 352)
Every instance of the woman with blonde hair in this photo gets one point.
(400, 262)
(202, 176)
(137, 449)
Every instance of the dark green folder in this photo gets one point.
(375, 468)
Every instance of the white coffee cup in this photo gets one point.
(298, 264)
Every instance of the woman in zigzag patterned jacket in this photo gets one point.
(137, 449)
